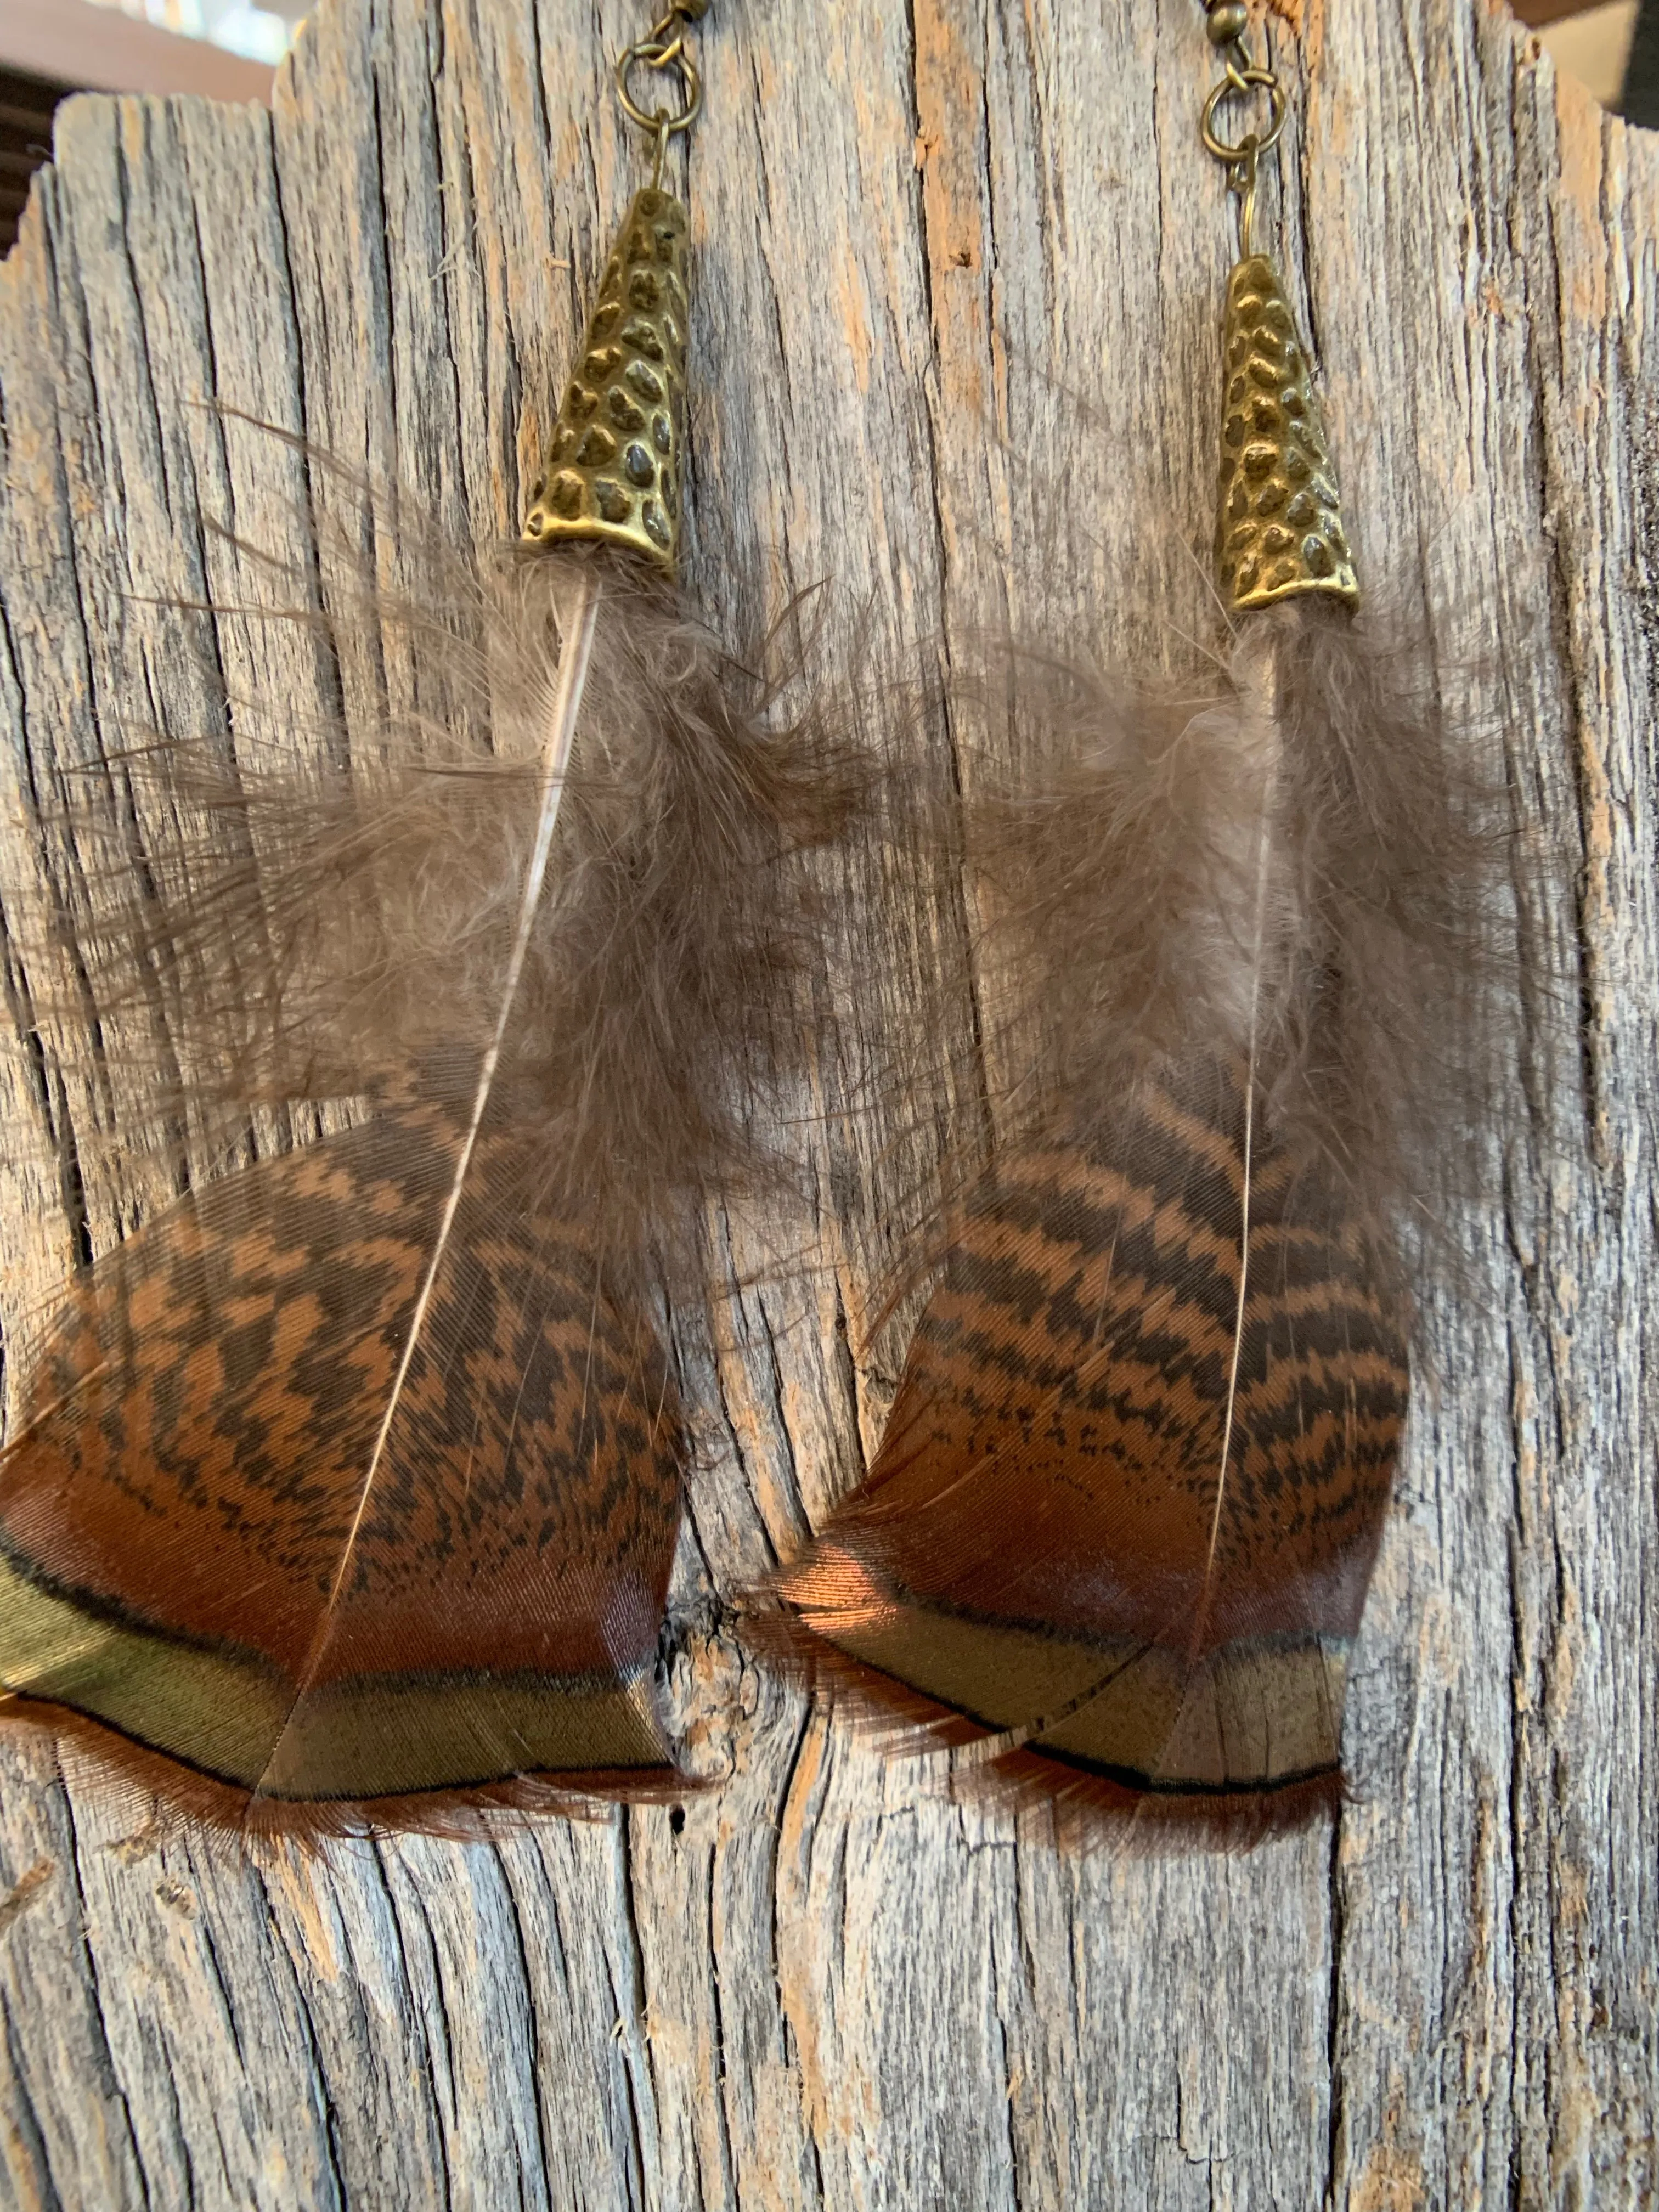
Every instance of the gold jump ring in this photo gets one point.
(1237, 80)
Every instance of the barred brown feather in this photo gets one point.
(1125, 1506)
(347, 1492)
(1119, 1531)
(177, 1508)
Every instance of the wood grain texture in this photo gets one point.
(958, 279)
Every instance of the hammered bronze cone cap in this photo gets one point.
(614, 464)
(1279, 529)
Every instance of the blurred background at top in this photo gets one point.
(227, 49)
(260, 33)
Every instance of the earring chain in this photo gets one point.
(664, 47)
(1241, 79)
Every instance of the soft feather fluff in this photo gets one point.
(1298, 872)
(333, 927)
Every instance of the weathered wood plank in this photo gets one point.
(958, 270)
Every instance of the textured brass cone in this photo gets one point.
(1279, 527)
(613, 468)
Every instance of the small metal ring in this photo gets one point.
(660, 54)
(1240, 80)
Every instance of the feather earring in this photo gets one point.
(1117, 1537)
(346, 1491)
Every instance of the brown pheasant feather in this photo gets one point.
(349, 1487)
(1118, 1534)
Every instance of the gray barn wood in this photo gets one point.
(959, 276)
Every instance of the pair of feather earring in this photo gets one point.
(347, 1491)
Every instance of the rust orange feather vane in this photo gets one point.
(328, 1505)
(1116, 1540)
(1125, 1511)
(347, 1491)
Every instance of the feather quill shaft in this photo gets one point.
(1253, 955)
(573, 665)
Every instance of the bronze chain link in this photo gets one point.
(664, 47)
(1242, 79)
